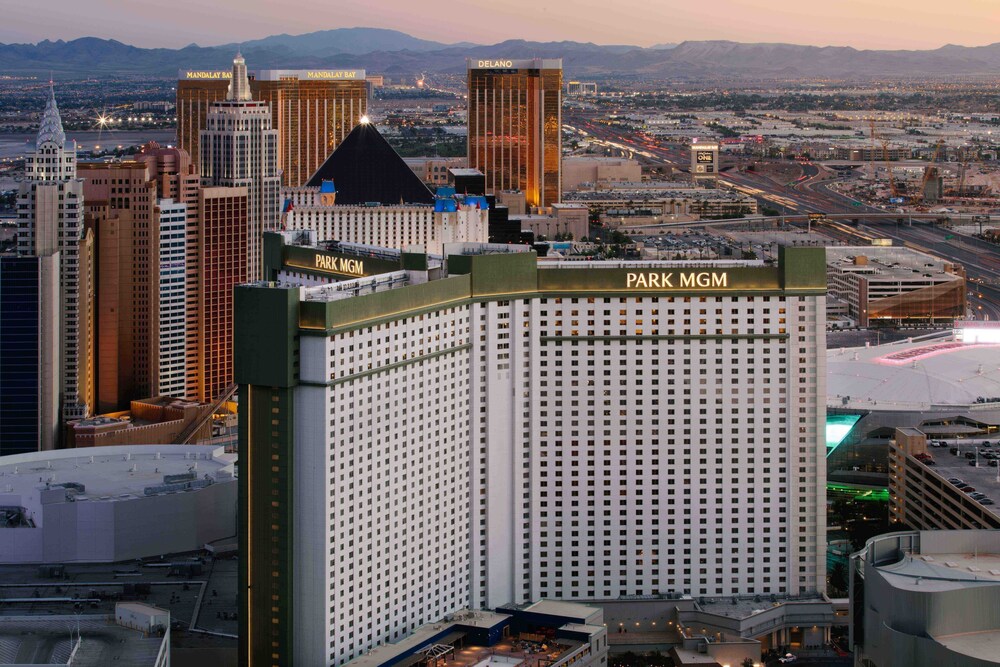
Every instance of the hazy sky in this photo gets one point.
(877, 24)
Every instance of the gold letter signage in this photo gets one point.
(672, 280)
(351, 267)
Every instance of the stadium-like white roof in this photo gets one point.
(913, 376)
(111, 473)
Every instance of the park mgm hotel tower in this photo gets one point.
(515, 126)
(313, 110)
(483, 429)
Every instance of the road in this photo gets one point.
(811, 193)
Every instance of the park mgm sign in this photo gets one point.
(680, 280)
(344, 266)
(324, 263)
(319, 262)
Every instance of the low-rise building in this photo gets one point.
(434, 170)
(137, 635)
(728, 629)
(870, 153)
(890, 283)
(585, 170)
(569, 221)
(937, 488)
(646, 205)
(160, 420)
(581, 88)
(927, 598)
(559, 633)
(110, 504)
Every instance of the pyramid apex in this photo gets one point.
(367, 169)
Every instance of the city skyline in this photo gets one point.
(581, 355)
(895, 24)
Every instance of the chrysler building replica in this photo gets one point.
(238, 148)
(50, 220)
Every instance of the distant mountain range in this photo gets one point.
(392, 52)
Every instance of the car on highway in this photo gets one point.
(788, 657)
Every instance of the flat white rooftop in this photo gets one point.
(385, 652)
(110, 473)
(564, 609)
(912, 376)
(982, 645)
(943, 571)
(896, 261)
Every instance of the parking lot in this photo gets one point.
(984, 477)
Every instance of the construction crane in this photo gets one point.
(962, 172)
(888, 168)
(871, 155)
(964, 162)
(929, 171)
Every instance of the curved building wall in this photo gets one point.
(114, 527)
(908, 617)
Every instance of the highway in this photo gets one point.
(811, 194)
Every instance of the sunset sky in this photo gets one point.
(870, 24)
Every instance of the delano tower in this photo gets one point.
(515, 121)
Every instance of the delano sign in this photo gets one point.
(490, 64)
(677, 280)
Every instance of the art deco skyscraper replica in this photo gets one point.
(313, 111)
(50, 220)
(238, 148)
(515, 126)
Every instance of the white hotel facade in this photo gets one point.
(496, 431)
(390, 226)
